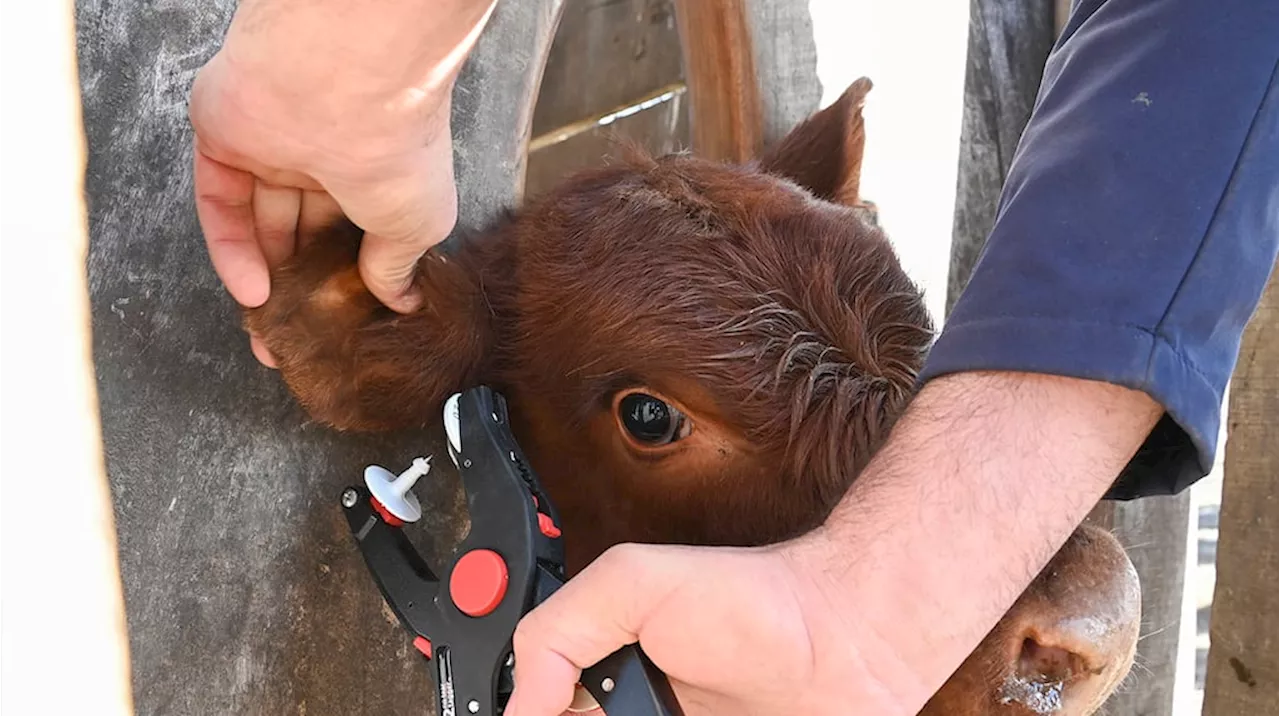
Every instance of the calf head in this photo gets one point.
(693, 352)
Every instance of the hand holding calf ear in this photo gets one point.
(298, 122)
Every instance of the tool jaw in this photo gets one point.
(469, 612)
(511, 560)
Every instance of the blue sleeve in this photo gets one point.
(1138, 224)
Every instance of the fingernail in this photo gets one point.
(260, 352)
(401, 295)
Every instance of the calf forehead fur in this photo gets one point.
(793, 310)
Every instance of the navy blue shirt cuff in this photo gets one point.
(1138, 224)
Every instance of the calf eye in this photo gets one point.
(649, 420)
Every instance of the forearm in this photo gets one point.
(1135, 233)
(982, 481)
(383, 46)
(1137, 226)
(350, 78)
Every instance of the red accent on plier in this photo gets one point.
(548, 527)
(423, 645)
(386, 516)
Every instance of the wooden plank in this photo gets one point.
(1008, 46)
(64, 631)
(785, 58)
(1241, 676)
(751, 68)
(724, 97)
(607, 54)
(660, 129)
(243, 590)
(493, 106)
(1154, 531)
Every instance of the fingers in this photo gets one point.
(387, 267)
(275, 220)
(261, 353)
(402, 218)
(388, 259)
(224, 206)
(593, 615)
(319, 212)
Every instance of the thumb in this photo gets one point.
(594, 614)
(402, 218)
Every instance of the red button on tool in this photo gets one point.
(423, 645)
(478, 582)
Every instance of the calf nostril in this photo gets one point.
(1043, 662)
(1044, 672)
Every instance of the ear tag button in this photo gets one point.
(392, 491)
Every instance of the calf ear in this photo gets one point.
(824, 153)
(354, 364)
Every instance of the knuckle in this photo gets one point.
(622, 554)
(624, 558)
(528, 633)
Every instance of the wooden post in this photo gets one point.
(65, 647)
(1008, 46)
(493, 105)
(1241, 673)
(1154, 532)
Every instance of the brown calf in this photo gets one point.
(705, 353)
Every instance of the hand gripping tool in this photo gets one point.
(511, 560)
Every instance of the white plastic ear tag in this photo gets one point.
(452, 425)
(393, 492)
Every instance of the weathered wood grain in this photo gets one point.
(244, 592)
(751, 68)
(493, 107)
(1154, 531)
(785, 58)
(724, 95)
(617, 62)
(1241, 677)
(1008, 46)
(607, 54)
(661, 129)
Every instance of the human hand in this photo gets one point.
(767, 640)
(299, 120)
(875, 609)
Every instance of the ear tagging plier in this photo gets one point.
(512, 560)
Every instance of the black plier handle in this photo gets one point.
(511, 560)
